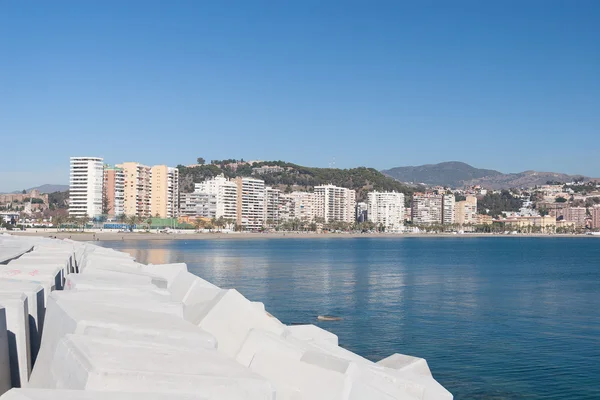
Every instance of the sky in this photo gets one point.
(506, 85)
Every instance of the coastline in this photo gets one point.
(89, 236)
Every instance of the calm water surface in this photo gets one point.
(496, 318)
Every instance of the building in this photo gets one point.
(86, 178)
(226, 193)
(484, 219)
(198, 204)
(362, 212)
(466, 211)
(164, 191)
(250, 203)
(426, 208)
(448, 209)
(577, 215)
(386, 209)
(113, 191)
(335, 203)
(595, 211)
(271, 216)
(545, 224)
(137, 189)
(304, 205)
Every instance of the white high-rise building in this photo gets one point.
(225, 192)
(448, 209)
(426, 208)
(86, 178)
(335, 203)
(250, 203)
(386, 209)
(272, 206)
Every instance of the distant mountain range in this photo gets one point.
(458, 174)
(47, 188)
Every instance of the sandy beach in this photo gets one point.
(111, 235)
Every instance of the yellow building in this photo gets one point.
(136, 189)
(164, 187)
(466, 211)
(484, 219)
(545, 224)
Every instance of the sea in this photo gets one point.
(497, 318)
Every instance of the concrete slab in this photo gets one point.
(17, 314)
(49, 277)
(126, 277)
(312, 333)
(91, 282)
(230, 317)
(37, 309)
(51, 394)
(5, 381)
(402, 362)
(66, 315)
(90, 363)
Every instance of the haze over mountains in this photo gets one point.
(458, 174)
(47, 188)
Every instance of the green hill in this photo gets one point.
(295, 177)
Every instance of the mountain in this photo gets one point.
(458, 174)
(47, 188)
(452, 173)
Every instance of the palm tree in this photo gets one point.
(148, 223)
(58, 220)
(132, 221)
(199, 223)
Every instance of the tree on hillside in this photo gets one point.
(201, 160)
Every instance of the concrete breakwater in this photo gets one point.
(79, 321)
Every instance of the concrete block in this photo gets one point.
(5, 380)
(17, 315)
(50, 276)
(92, 282)
(184, 282)
(51, 394)
(402, 362)
(37, 309)
(230, 317)
(91, 363)
(126, 277)
(312, 333)
(66, 315)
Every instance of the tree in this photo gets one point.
(199, 223)
(560, 200)
(23, 191)
(58, 220)
(132, 221)
(201, 160)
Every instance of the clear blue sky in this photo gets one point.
(508, 85)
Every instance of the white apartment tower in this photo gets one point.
(334, 203)
(386, 209)
(250, 203)
(225, 192)
(426, 208)
(272, 197)
(448, 209)
(86, 179)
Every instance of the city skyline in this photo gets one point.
(499, 86)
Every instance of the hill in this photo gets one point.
(452, 173)
(47, 188)
(458, 174)
(287, 176)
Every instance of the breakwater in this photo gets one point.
(80, 320)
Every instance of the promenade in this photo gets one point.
(79, 321)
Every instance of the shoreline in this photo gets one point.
(89, 236)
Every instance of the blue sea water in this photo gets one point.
(496, 318)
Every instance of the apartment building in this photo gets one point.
(334, 203)
(304, 205)
(198, 204)
(137, 189)
(595, 211)
(86, 178)
(466, 211)
(272, 203)
(164, 191)
(250, 203)
(226, 195)
(448, 209)
(386, 209)
(577, 215)
(426, 209)
(113, 195)
(362, 210)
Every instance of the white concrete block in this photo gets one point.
(36, 305)
(230, 317)
(184, 282)
(126, 277)
(5, 380)
(402, 362)
(49, 275)
(52, 394)
(312, 333)
(17, 314)
(66, 315)
(91, 282)
(90, 363)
